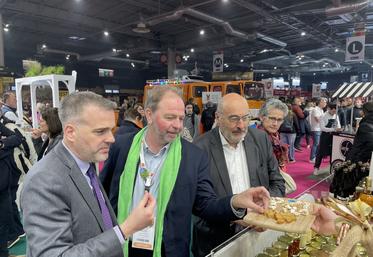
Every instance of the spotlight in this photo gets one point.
(133, 65)
(241, 60)
(67, 57)
(303, 33)
(336, 50)
(192, 50)
(202, 32)
(6, 29)
(106, 33)
(275, 68)
(43, 46)
(128, 55)
(114, 50)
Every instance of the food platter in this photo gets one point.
(284, 214)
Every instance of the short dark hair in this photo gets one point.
(131, 114)
(332, 106)
(50, 115)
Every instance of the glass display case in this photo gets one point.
(249, 243)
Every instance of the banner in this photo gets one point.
(217, 62)
(213, 97)
(268, 88)
(355, 49)
(316, 90)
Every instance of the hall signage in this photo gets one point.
(355, 49)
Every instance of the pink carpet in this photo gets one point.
(301, 170)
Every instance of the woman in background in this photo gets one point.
(50, 124)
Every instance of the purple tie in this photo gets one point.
(100, 199)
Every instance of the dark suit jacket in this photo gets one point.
(60, 212)
(127, 127)
(49, 143)
(263, 171)
(192, 193)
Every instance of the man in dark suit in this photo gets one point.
(132, 122)
(65, 210)
(190, 191)
(240, 157)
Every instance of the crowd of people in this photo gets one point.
(170, 167)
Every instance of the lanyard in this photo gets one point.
(146, 175)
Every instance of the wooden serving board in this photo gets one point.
(301, 225)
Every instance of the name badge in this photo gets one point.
(144, 239)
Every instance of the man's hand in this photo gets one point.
(325, 220)
(141, 217)
(256, 198)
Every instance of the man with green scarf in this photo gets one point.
(176, 172)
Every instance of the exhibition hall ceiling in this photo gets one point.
(271, 35)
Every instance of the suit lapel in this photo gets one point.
(81, 183)
(217, 153)
(253, 160)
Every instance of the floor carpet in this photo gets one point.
(301, 171)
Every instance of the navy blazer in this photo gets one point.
(192, 193)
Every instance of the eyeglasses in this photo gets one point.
(236, 119)
(274, 119)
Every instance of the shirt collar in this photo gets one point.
(147, 150)
(83, 166)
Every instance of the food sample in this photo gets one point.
(285, 210)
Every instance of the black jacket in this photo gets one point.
(127, 127)
(362, 148)
(192, 193)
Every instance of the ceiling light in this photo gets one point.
(133, 65)
(6, 29)
(241, 60)
(43, 46)
(67, 57)
(155, 52)
(314, 73)
(225, 1)
(192, 50)
(302, 56)
(6, 25)
(106, 33)
(275, 68)
(226, 65)
(114, 50)
(336, 50)
(371, 66)
(262, 75)
(141, 28)
(128, 55)
(202, 32)
(303, 33)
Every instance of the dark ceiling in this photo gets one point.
(263, 34)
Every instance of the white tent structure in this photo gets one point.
(34, 82)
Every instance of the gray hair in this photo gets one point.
(72, 105)
(273, 104)
(156, 94)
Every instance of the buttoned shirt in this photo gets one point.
(235, 158)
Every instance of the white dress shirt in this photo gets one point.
(235, 158)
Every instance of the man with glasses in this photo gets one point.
(240, 157)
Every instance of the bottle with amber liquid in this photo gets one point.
(366, 196)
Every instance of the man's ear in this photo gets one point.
(69, 132)
(148, 115)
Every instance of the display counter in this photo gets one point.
(249, 243)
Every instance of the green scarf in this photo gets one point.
(168, 177)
